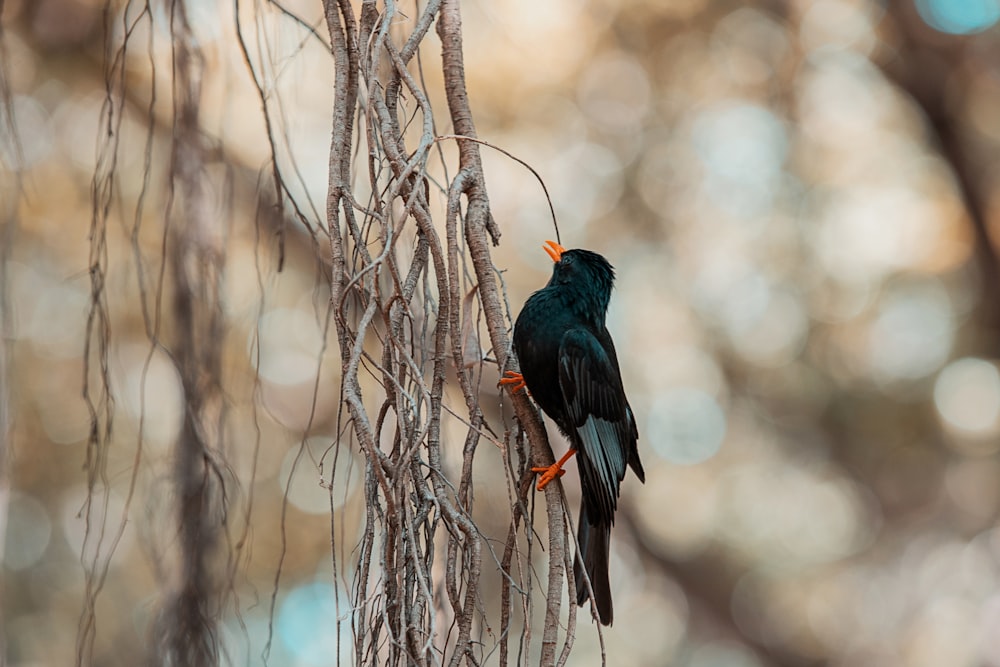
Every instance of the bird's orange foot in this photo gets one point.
(553, 471)
(549, 473)
(514, 380)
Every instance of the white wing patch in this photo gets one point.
(603, 447)
(599, 421)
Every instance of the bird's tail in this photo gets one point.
(595, 544)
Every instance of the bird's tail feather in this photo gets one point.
(595, 544)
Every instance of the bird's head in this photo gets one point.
(586, 276)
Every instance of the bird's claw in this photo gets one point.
(553, 471)
(549, 473)
(513, 380)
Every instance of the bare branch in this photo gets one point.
(397, 398)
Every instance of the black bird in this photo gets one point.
(569, 365)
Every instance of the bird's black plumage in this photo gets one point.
(569, 365)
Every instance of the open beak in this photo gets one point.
(554, 249)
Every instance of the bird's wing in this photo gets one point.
(599, 419)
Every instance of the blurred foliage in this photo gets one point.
(800, 197)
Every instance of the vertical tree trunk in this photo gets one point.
(187, 628)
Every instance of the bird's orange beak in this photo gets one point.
(554, 249)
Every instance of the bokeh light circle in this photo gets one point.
(686, 426)
(306, 489)
(832, 24)
(778, 334)
(967, 396)
(29, 531)
(959, 17)
(288, 345)
(307, 625)
(615, 92)
(742, 148)
(58, 318)
(152, 393)
(34, 130)
(912, 333)
(89, 521)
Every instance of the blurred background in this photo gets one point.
(802, 201)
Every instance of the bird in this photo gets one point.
(570, 368)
